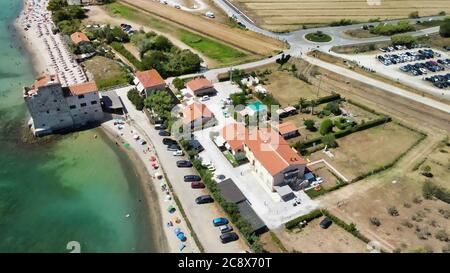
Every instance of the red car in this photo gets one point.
(197, 185)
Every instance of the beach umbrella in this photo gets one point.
(126, 145)
(171, 209)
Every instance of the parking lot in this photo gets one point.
(200, 216)
(422, 68)
(267, 205)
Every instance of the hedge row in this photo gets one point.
(127, 55)
(312, 193)
(360, 127)
(307, 217)
(351, 228)
(431, 190)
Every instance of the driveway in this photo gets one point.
(200, 216)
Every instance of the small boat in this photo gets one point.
(127, 215)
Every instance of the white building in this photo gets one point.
(269, 155)
(54, 108)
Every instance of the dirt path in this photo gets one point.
(246, 40)
(97, 15)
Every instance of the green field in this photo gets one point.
(216, 51)
(210, 48)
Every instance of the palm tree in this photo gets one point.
(301, 103)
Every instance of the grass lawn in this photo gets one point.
(210, 48)
(367, 150)
(318, 37)
(287, 89)
(106, 72)
(231, 158)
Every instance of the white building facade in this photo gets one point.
(55, 108)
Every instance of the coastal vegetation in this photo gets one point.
(215, 50)
(66, 18)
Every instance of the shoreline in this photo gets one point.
(37, 61)
(153, 210)
(156, 198)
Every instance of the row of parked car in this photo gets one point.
(440, 81)
(418, 69)
(196, 183)
(409, 56)
(401, 47)
(226, 235)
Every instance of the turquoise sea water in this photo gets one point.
(75, 188)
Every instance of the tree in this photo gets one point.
(414, 14)
(310, 125)
(54, 5)
(178, 83)
(333, 107)
(302, 103)
(329, 140)
(326, 127)
(136, 99)
(444, 30)
(403, 39)
(161, 103)
(161, 43)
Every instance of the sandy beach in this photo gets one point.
(49, 53)
(154, 186)
(49, 56)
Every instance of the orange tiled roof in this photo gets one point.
(234, 134)
(285, 128)
(150, 78)
(199, 84)
(44, 80)
(272, 151)
(78, 37)
(83, 88)
(194, 111)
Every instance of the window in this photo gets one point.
(73, 107)
(85, 113)
(57, 109)
(48, 112)
(55, 101)
(93, 102)
(81, 96)
(83, 105)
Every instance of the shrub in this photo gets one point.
(393, 211)
(430, 190)
(307, 217)
(444, 30)
(326, 127)
(441, 235)
(413, 15)
(445, 213)
(310, 125)
(178, 83)
(329, 140)
(391, 29)
(403, 39)
(136, 99)
(375, 221)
